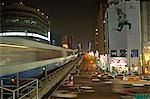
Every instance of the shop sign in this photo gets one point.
(118, 62)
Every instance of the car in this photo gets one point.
(106, 76)
(146, 77)
(99, 75)
(108, 82)
(95, 78)
(130, 85)
(119, 76)
(87, 89)
(64, 94)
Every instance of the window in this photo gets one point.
(123, 53)
(113, 53)
(134, 53)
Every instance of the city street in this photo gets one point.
(91, 90)
(102, 90)
(87, 85)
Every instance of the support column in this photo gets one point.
(45, 72)
(37, 91)
(1, 89)
(17, 79)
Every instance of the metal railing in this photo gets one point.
(31, 88)
(28, 90)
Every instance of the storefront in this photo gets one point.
(118, 65)
(124, 51)
(145, 16)
(103, 62)
(146, 65)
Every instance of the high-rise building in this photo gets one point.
(67, 41)
(99, 36)
(1, 4)
(124, 35)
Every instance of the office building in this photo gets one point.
(24, 21)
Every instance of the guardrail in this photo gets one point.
(47, 83)
(49, 78)
(33, 88)
(28, 90)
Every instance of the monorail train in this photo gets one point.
(29, 58)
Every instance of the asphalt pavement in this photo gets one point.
(100, 90)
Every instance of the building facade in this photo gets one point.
(123, 25)
(21, 20)
(56, 39)
(99, 37)
(145, 17)
(67, 41)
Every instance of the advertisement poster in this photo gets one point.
(125, 29)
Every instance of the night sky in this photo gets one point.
(72, 17)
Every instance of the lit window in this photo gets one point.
(42, 13)
(2, 3)
(20, 2)
(96, 30)
(33, 22)
(38, 9)
(11, 20)
(27, 21)
(15, 20)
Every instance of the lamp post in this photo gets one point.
(129, 58)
